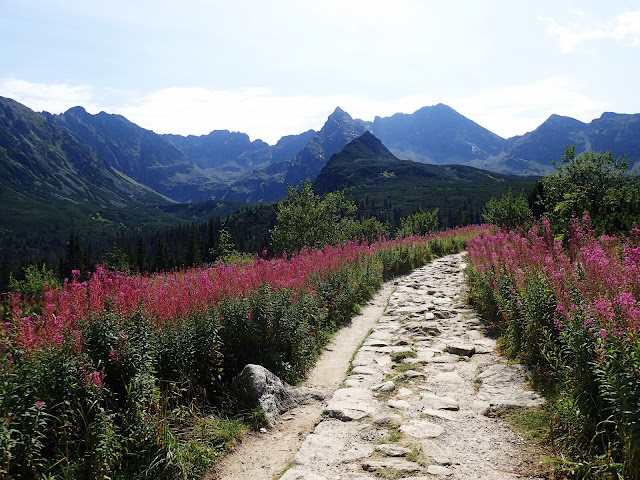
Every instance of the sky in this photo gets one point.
(280, 67)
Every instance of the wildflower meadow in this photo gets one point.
(569, 308)
(124, 376)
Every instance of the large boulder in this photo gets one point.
(258, 386)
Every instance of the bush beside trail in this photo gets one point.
(125, 376)
(573, 315)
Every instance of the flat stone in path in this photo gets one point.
(438, 470)
(297, 474)
(429, 400)
(435, 452)
(401, 466)
(350, 404)
(392, 450)
(501, 389)
(461, 349)
(384, 387)
(422, 429)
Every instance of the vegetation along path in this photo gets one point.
(418, 402)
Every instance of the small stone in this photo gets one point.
(422, 429)
(363, 371)
(448, 377)
(438, 470)
(429, 400)
(387, 419)
(436, 452)
(403, 392)
(263, 430)
(402, 466)
(384, 387)
(297, 474)
(461, 349)
(350, 382)
(436, 413)
(442, 314)
(350, 404)
(399, 404)
(393, 450)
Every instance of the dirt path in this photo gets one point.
(418, 401)
(265, 455)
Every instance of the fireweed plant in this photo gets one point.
(119, 376)
(572, 313)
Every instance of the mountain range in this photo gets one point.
(105, 159)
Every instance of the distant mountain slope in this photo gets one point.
(381, 183)
(139, 153)
(41, 160)
(436, 134)
(216, 148)
(227, 165)
(619, 133)
(231, 156)
(338, 130)
(270, 183)
(534, 152)
(366, 161)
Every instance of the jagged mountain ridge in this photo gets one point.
(436, 134)
(366, 161)
(227, 165)
(338, 131)
(140, 153)
(40, 160)
(443, 136)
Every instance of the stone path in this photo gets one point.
(419, 400)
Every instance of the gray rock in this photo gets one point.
(399, 404)
(502, 387)
(422, 429)
(461, 349)
(401, 466)
(422, 327)
(409, 375)
(431, 412)
(350, 404)
(404, 392)
(387, 419)
(393, 450)
(448, 377)
(363, 371)
(436, 452)
(297, 474)
(258, 386)
(440, 471)
(318, 447)
(384, 387)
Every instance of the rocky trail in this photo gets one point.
(418, 402)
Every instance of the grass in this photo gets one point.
(394, 437)
(533, 424)
(355, 352)
(400, 356)
(283, 471)
(405, 367)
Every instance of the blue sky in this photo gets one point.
(278, 67)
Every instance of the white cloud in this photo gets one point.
(53, 98)
(517, 109)
(506, 111)
(624, 29)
